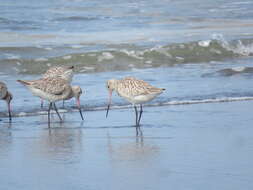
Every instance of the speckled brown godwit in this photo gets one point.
(134, 91)
(64, 72)
(53, 90)
(6, 96)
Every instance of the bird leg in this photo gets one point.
(63, 103)
(48, 114)
(57, 112)
(136, 115)
(41, 103)
(109, 103)
(140, 115)
(79, 107)
(137, 131)
(9, 114)
(9, 110)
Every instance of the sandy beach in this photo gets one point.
(200, 146)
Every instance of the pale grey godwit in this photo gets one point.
(64, 72)
(134, 91)
(53, 90)
(7, 96)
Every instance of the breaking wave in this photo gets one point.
(113, 58)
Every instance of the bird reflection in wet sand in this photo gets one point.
(134, 149)
(61, 143)
(5, 137)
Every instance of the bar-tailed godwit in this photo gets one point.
(134, 91)
(64, 72)
(53, 90)
(7, 96)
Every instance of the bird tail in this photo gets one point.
(23, 82)
(71, 67)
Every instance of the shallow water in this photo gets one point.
(203, 146)
(187, 84)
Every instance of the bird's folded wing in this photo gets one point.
(138, 87)
(53, 86)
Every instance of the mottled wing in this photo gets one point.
(54, 86)
(138, 87)
(54, 71)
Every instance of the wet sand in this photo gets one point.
(199, 146)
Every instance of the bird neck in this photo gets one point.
(116, 85)
(70, 95)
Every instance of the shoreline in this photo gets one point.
(71, 109)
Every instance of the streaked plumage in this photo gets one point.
(6, 96)
(64, 72)
(53, 90)
(133, 90)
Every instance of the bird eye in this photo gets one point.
(108, 86)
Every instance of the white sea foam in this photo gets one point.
(238, 69)
(239, 48)
(148, 62)
(243, 49)
(161, 50)
(105, 56)
(84, 69)
(67, 57)
(41, 59)
(214, 100)
(204, 43)
(22, 114)
(179, 59)
(48, 48)
(132, 53)
(62, 110)
(12, 56)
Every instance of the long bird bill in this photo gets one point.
(109, 103)
(79, 107)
